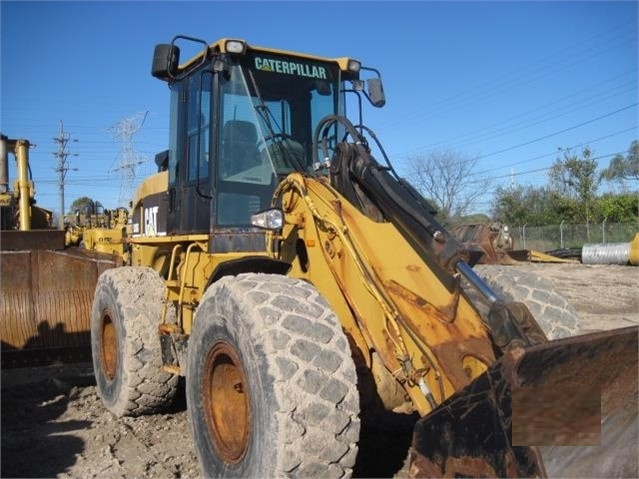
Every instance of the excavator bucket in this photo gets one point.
(510, 421)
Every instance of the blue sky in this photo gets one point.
(508, 82)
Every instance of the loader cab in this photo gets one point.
(241, 119)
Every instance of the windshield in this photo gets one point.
(269, 108)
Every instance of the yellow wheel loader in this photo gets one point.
(297, 284)
(46, 290)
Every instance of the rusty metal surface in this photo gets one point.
(469, 435)
(478, 242)
(582, 378)
(45, 300)
(548, 394)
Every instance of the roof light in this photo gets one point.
(354, 66)
(271, 219)
(235, 46)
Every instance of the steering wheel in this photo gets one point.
(272, 138)
(289, 157)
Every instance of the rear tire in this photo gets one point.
(125, 342)
(270, 383)
(553, 313)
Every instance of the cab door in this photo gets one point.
(196, 186)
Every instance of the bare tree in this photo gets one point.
(447, 178)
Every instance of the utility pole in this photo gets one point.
(62, 166)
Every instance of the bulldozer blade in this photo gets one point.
(45, 305)
(553, 394)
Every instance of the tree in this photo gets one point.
(84, 205)
(527, 205)
(618, 208)
(446, 178)
(576, 179)
(624, 168)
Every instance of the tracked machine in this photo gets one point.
(297, 283)
(46, 289)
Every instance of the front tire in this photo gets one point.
(125, 342)
(271, 385)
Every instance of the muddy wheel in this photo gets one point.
(270, 383)
(555, 315)
(127, 309)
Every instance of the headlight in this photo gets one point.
(354, 66)
(235, 46)
(271, 219)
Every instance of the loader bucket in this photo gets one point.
(558, 393)
(45, 304)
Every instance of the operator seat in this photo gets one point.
(239, 146)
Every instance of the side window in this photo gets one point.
(199, 126)
(176, 95)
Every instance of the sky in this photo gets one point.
(508, 82)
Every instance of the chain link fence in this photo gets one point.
(553, 237)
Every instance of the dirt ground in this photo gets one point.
(53, 424)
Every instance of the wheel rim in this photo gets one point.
(226, 402)
(108, 345)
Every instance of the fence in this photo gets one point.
(548, 238)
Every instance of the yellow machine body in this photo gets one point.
(399, 283)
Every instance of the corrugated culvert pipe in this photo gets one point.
(612, 253)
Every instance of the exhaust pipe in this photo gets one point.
(22, 158)
(4, 165)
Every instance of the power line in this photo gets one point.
(476, 135)
(537, 170)
(472, 159)
(498, 85)
(554, 152)
(545, 137)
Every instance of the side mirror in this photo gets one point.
(376, 92)
(166, 59)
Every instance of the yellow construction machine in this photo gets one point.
(46, 290)
(298, 283)
(101, 232)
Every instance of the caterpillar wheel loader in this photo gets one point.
(46, 289)
(296, 283)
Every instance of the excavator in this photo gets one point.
(282, 268)
(46, 289)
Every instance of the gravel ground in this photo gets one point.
(53, 424)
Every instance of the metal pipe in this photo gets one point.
(603, 230)
(612, 253)
(478, 283)
(24, 204)
(4, 165)
(561, 233)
